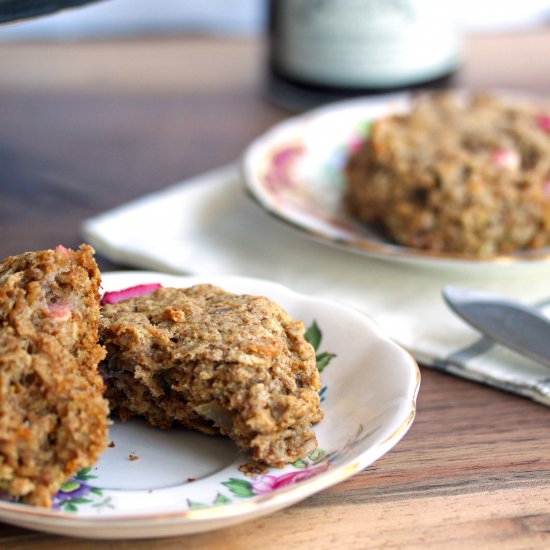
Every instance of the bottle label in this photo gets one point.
(365, 43)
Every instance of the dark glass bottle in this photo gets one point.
(13, 10)
(323, 50)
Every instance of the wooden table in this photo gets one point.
(85, 127)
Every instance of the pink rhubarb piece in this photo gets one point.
(62, 249)
(60, 311)
(127, 293)
(506, 158)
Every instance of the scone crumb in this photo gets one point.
(253, 468)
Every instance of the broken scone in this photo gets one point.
(217, 362)
(53, 417)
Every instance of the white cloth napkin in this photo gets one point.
(210, 226)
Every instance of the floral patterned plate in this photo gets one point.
(152, 483)
(295, 171)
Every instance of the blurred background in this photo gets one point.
(106, 102)
(109, 18)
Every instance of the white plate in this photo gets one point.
(184, 482)
(295, 172)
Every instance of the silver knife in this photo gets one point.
(516, 326)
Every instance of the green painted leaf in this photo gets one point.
(84, 474)
(194, 505)
(221, 499)
(300, 464)
(70, 507)
(108, 503)
(96, 491)
(239, 487)
(80, 500)
(313, 335)
(323, 359)
(364, 127)
(69, 486)
(317, 455)
(105, 503)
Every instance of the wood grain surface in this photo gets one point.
(87, 126)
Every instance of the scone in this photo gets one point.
(53, 416)
(466, 175)
(217, 362)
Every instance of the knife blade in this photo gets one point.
(512, 324)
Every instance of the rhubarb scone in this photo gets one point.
(53, 416)
(467, 175)
(205, 359)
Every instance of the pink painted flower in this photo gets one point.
(543, 122)
(278, 174)
(264, 484)
(355, 144)
(268, 483)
